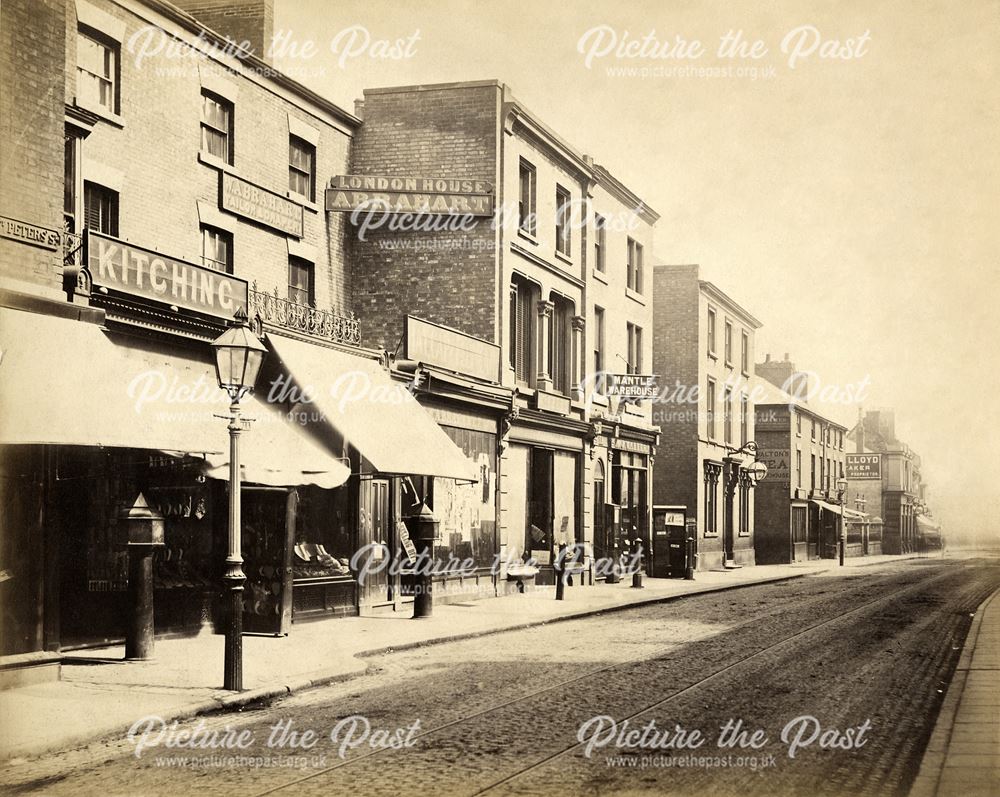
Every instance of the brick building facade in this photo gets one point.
(797, 508)
(544, 279)
(895, 497)
(703, 349)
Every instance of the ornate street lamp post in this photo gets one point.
(238, 357)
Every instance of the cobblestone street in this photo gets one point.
(870, 651)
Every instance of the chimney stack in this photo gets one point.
(248, 23)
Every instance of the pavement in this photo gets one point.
(963, 754)
(100, 695)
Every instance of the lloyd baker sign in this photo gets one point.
(144, 274)
(863, 466)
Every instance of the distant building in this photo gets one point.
(797, 507)
(884, 472)
(703, 354)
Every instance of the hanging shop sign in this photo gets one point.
(146, 274)
(426, 195)
(257, 204)
(406, 542)
(633, 387)
(863, 466)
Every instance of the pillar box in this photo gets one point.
(141, 530)
(423, 527)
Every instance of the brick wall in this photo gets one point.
(32, 54)
(448, 277)
(772, 503)
(676, 344)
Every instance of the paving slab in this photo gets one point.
(963, 756)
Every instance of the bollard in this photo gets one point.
(689, 559)
(141, 530)
(637, 560)
(612, 577)
(560, 568)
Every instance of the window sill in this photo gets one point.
(563, 257)
(745, 372)
(713, 355)
(600, 276)
(711, 535)
(216, 163)
(527, 236)
(635, 296)
(99, 110)
(298, 199)
(729, 364)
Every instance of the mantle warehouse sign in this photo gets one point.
(632, 387)
(150, 275)
(428, 195)
(863, 466)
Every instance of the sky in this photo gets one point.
(843, 185)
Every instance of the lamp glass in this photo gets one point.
(238, 357)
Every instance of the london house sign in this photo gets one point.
(427, 195)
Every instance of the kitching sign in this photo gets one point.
(863, 466)
(146, 274)
(425, 195)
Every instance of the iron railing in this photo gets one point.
(279, 311)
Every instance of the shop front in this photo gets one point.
(399, 457)
(107, 414)
(630, 492)
(827, 535)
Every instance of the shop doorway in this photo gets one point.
(268, 519)
(729, 493)
(812, 545)
(603, 544)
(377, 539)
(540, 508)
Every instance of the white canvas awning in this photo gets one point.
(67, 382)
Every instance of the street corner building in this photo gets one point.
(703, 354)
(152, 202)
(458, 369)
(801, 503)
